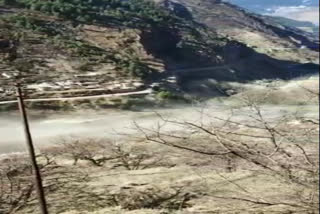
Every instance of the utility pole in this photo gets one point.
(36, 170)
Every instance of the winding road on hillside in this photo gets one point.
(171, 73)
(147, 91)
(142, 92)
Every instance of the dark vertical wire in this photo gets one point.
(36, 170)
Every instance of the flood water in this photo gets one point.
(47, 127)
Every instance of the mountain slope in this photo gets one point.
(301, 25)
(67, 48)
(254, 30)
(101, 44)
(299, 10)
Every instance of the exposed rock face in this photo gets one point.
(256, 31)
(160, 42)
(178, 9)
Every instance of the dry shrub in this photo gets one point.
(101, 151)
(62, 185)
(134, 198)
(284, 147)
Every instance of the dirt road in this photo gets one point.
(147, 91)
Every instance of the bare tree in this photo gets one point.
(275, 146)
(62, 184)
(171, 198)
(100, 151)
(135, 158)
(93, 150)
(15, 190)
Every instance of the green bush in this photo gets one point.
(138, 69)
(27, 22)
(168, 95)
(22, 22)
(8, 107)
(128, 12)
(9, 2)
(164, 95)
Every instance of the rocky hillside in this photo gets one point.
(67, 48)
(306, 26)
(98, 44)
(261, 33)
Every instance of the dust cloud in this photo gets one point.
(47, 127)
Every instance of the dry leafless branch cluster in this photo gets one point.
(152, 197)
(98, 152)
(282, 147)
(17, 190)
